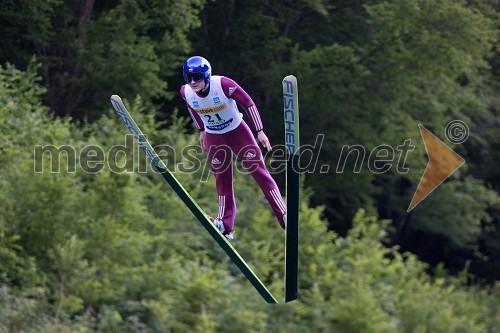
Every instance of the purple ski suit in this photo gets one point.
(217, 114)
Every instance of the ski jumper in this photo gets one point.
(226, 133)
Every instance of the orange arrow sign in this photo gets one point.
(443, 162)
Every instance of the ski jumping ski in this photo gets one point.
(155, 160)
(292, 143)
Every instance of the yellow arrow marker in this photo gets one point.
(443, 162)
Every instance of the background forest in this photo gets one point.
(92, 246)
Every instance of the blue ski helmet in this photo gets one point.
(197, 68)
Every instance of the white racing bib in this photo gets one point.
(219, 113)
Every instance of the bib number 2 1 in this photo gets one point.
(210, 117)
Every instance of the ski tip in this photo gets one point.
(290, 78)
(115, 98)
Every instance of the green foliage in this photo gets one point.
(23, 21)
(99, 243)
(369, 73)
(463, 208)
(92, 49)
(73, 276)
(79, 261)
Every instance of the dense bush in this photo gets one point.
(118, 252)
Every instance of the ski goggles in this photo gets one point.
(196, 77)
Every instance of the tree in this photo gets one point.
(368, 74)
(91, 50)
(140, 262)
